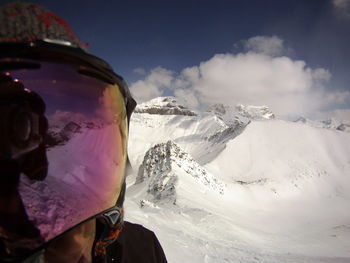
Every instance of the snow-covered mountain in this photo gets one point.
(235, 184)
(241, 113)
(162, 168)
(344, 127)
(164, 106)
(331, 124)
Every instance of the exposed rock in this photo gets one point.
(344, 127)
(54, 138)
(228, 133)
(218, 109)
(331, 124)
(161, 167)
(69, 130)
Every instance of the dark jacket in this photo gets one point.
(136, 244)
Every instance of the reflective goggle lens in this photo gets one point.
(73, 155)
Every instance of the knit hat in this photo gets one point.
(23, 21)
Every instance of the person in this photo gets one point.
(64, 120)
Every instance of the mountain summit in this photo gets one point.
(164, 106)
(255, 112)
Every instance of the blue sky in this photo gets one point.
(166, 38)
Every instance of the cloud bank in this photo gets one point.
(259, 76)
(153, 85)
(342, 8)
(139, 71)
(272, 46)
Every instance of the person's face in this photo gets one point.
(74, 246)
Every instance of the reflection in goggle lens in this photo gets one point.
(70, 165)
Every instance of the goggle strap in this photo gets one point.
(108, 237)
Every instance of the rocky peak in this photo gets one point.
(60, 137)
(240, 115)
(301, 120)
(344, 127)
(255, 112)
(331, 123)
(218, 109)
(162, 166)
(164, 106)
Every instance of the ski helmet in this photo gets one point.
(64, 117)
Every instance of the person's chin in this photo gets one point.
(75, 246)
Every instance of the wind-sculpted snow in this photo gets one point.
(164, 165)
(164, 106)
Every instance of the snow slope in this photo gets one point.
(284, 188)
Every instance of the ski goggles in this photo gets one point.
(63, 142)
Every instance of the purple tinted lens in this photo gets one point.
(72, 167)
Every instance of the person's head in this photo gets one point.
(64, 119)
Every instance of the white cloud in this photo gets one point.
(340, 114)
(139, 71)
(287, 86)
(187, 97)
(341, 3)
(153, 85)
(256, 77)
(272, 46)
(342, 8)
